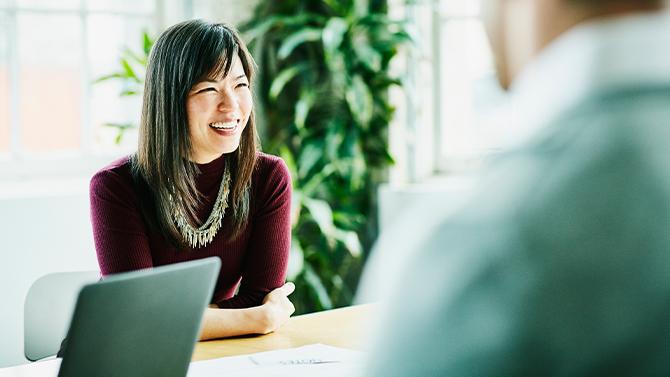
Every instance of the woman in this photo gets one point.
(197, 186)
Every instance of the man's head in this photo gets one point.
(519, 29)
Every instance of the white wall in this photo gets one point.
(44, 227)
(230, 11)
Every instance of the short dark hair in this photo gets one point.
(183, 55)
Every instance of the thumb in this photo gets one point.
(288, 288)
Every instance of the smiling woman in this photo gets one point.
(197, 186)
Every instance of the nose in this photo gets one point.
(228, 103)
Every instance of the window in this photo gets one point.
(51, 52)
(452, 91)
(4, 85)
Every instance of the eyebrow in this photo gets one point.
(211, 80)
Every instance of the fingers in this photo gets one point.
(278, 293)
(284, 290)
(277, 308)
(288, 288)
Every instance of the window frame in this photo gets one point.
(426, 157)
(16, 164)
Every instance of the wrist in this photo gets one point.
(259, 319)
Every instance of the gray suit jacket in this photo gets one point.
(560, 266)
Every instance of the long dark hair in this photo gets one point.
(182, 56)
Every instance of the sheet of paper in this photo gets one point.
(311, 360)
(47, 368)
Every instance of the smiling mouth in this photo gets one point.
(224, 126)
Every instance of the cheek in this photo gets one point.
(190, 115)
(195, 110)
(192, 110)
(246, 104)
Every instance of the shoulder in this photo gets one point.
(271, 168)
(113, 179)
(271, 182)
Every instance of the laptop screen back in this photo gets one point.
(140, 323)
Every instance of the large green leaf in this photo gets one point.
(147, 43)
(334, 139)
(351, 241)
(286, 155)
(369, 57)
(254, 30)
(129, 93)
(129, 71)
(131, 56)
(309, 156)
(316, 180)
(360, 100)
(307, 34)
(337, 7)
(314, 282)
(110, 77)
(296, 262)
(322, 215)
(358, 167)
(333, 34)
(283, 78)
(302, 107)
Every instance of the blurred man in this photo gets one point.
(560, 264)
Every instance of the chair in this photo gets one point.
(48, 308)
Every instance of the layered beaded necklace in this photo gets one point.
(204, 235)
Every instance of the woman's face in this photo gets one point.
(218, 111)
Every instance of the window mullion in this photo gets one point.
(410, 104)
(436, 26)
(86, 127)
(15, 145)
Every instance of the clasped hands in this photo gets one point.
(274, 311)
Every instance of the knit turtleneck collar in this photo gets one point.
(213, 167)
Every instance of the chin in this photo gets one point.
(230, 148)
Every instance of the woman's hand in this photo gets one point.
(276, 309)
(266, 318)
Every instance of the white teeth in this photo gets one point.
(224, 126)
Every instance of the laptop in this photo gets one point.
(140, 323)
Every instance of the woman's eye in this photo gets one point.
(206, 90)
(242, 85)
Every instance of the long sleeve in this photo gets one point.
(266, 260)
(120, 236)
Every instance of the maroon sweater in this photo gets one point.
(257, 257)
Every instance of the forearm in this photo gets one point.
(266, 318)
(245, 298)
(223, 323)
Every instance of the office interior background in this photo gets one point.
(55, 132)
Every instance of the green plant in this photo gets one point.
(131, 76)
(324, 78)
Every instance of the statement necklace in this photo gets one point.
(204, 235)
